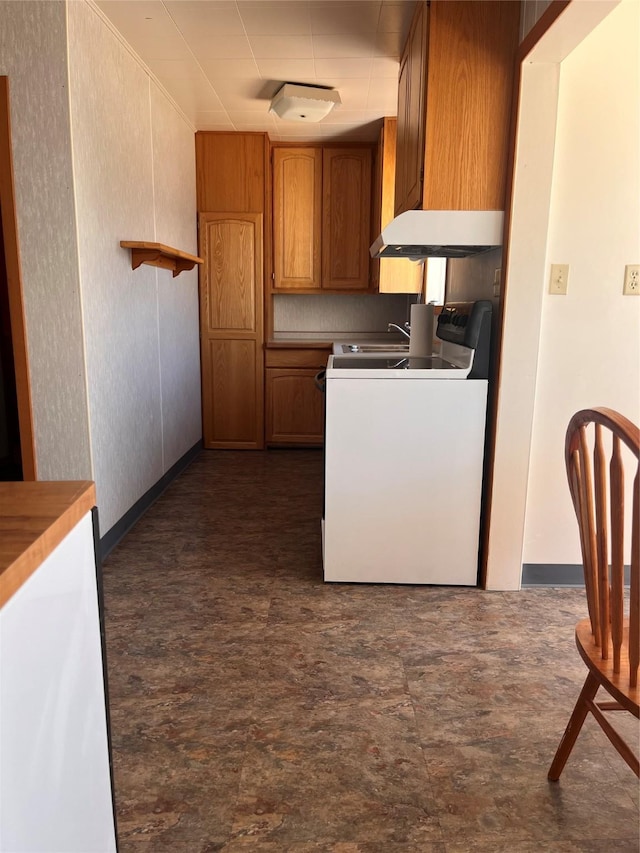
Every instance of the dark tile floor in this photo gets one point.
(253, 707)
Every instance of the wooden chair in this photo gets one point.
(609, 640)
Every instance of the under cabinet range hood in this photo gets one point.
(418, 234)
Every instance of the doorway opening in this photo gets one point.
(10, 450)
(17, 451)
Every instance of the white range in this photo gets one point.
(404, 449)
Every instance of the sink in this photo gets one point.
(383, 348)
(388, 361)
(375, 348)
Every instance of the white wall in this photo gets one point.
(134, 176)
(101, 155)
(33, 56)
(575, 201)
(522, 318)
(590, 339)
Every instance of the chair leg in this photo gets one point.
(580, 711)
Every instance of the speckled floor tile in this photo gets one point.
(254, 707)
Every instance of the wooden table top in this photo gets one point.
(34, 518)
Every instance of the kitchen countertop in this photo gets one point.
(34, 518)
(298, 343)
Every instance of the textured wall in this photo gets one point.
(141, 328)
(343, 313)
(33, 56)
(175, 207)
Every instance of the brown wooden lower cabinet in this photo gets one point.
(294, 405)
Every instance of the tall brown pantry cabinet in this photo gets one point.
(231, 199)
(231, 328)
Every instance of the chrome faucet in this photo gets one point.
(405, 330)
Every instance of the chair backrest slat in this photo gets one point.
(616, 478)
(575, 487)
(586, 521)
(602, 540)
(599, 502)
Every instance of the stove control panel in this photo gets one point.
(468, 324)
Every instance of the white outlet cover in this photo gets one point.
(631, 286)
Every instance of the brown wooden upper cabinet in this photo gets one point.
(411, 106)
(454, 105)
(321, 218)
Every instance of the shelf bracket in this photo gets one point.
(159, 255)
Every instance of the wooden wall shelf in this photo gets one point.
(159, 255)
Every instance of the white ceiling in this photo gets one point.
(223, 60)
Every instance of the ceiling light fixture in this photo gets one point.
(297, 102)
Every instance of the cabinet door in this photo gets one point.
(297, 217)
(390, 275)
(377, 193)
(231, 329)
(411, 114)
(346, 218)
(401, 134)
(472, 49)
(230, 171)
(295, 407)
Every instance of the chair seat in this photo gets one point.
(617, 684)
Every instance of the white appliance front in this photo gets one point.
(55, 782)
(403, 479)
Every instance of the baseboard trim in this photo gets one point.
(557, 574)
(114, 535)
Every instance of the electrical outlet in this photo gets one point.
(631, 285)
(559, 279)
